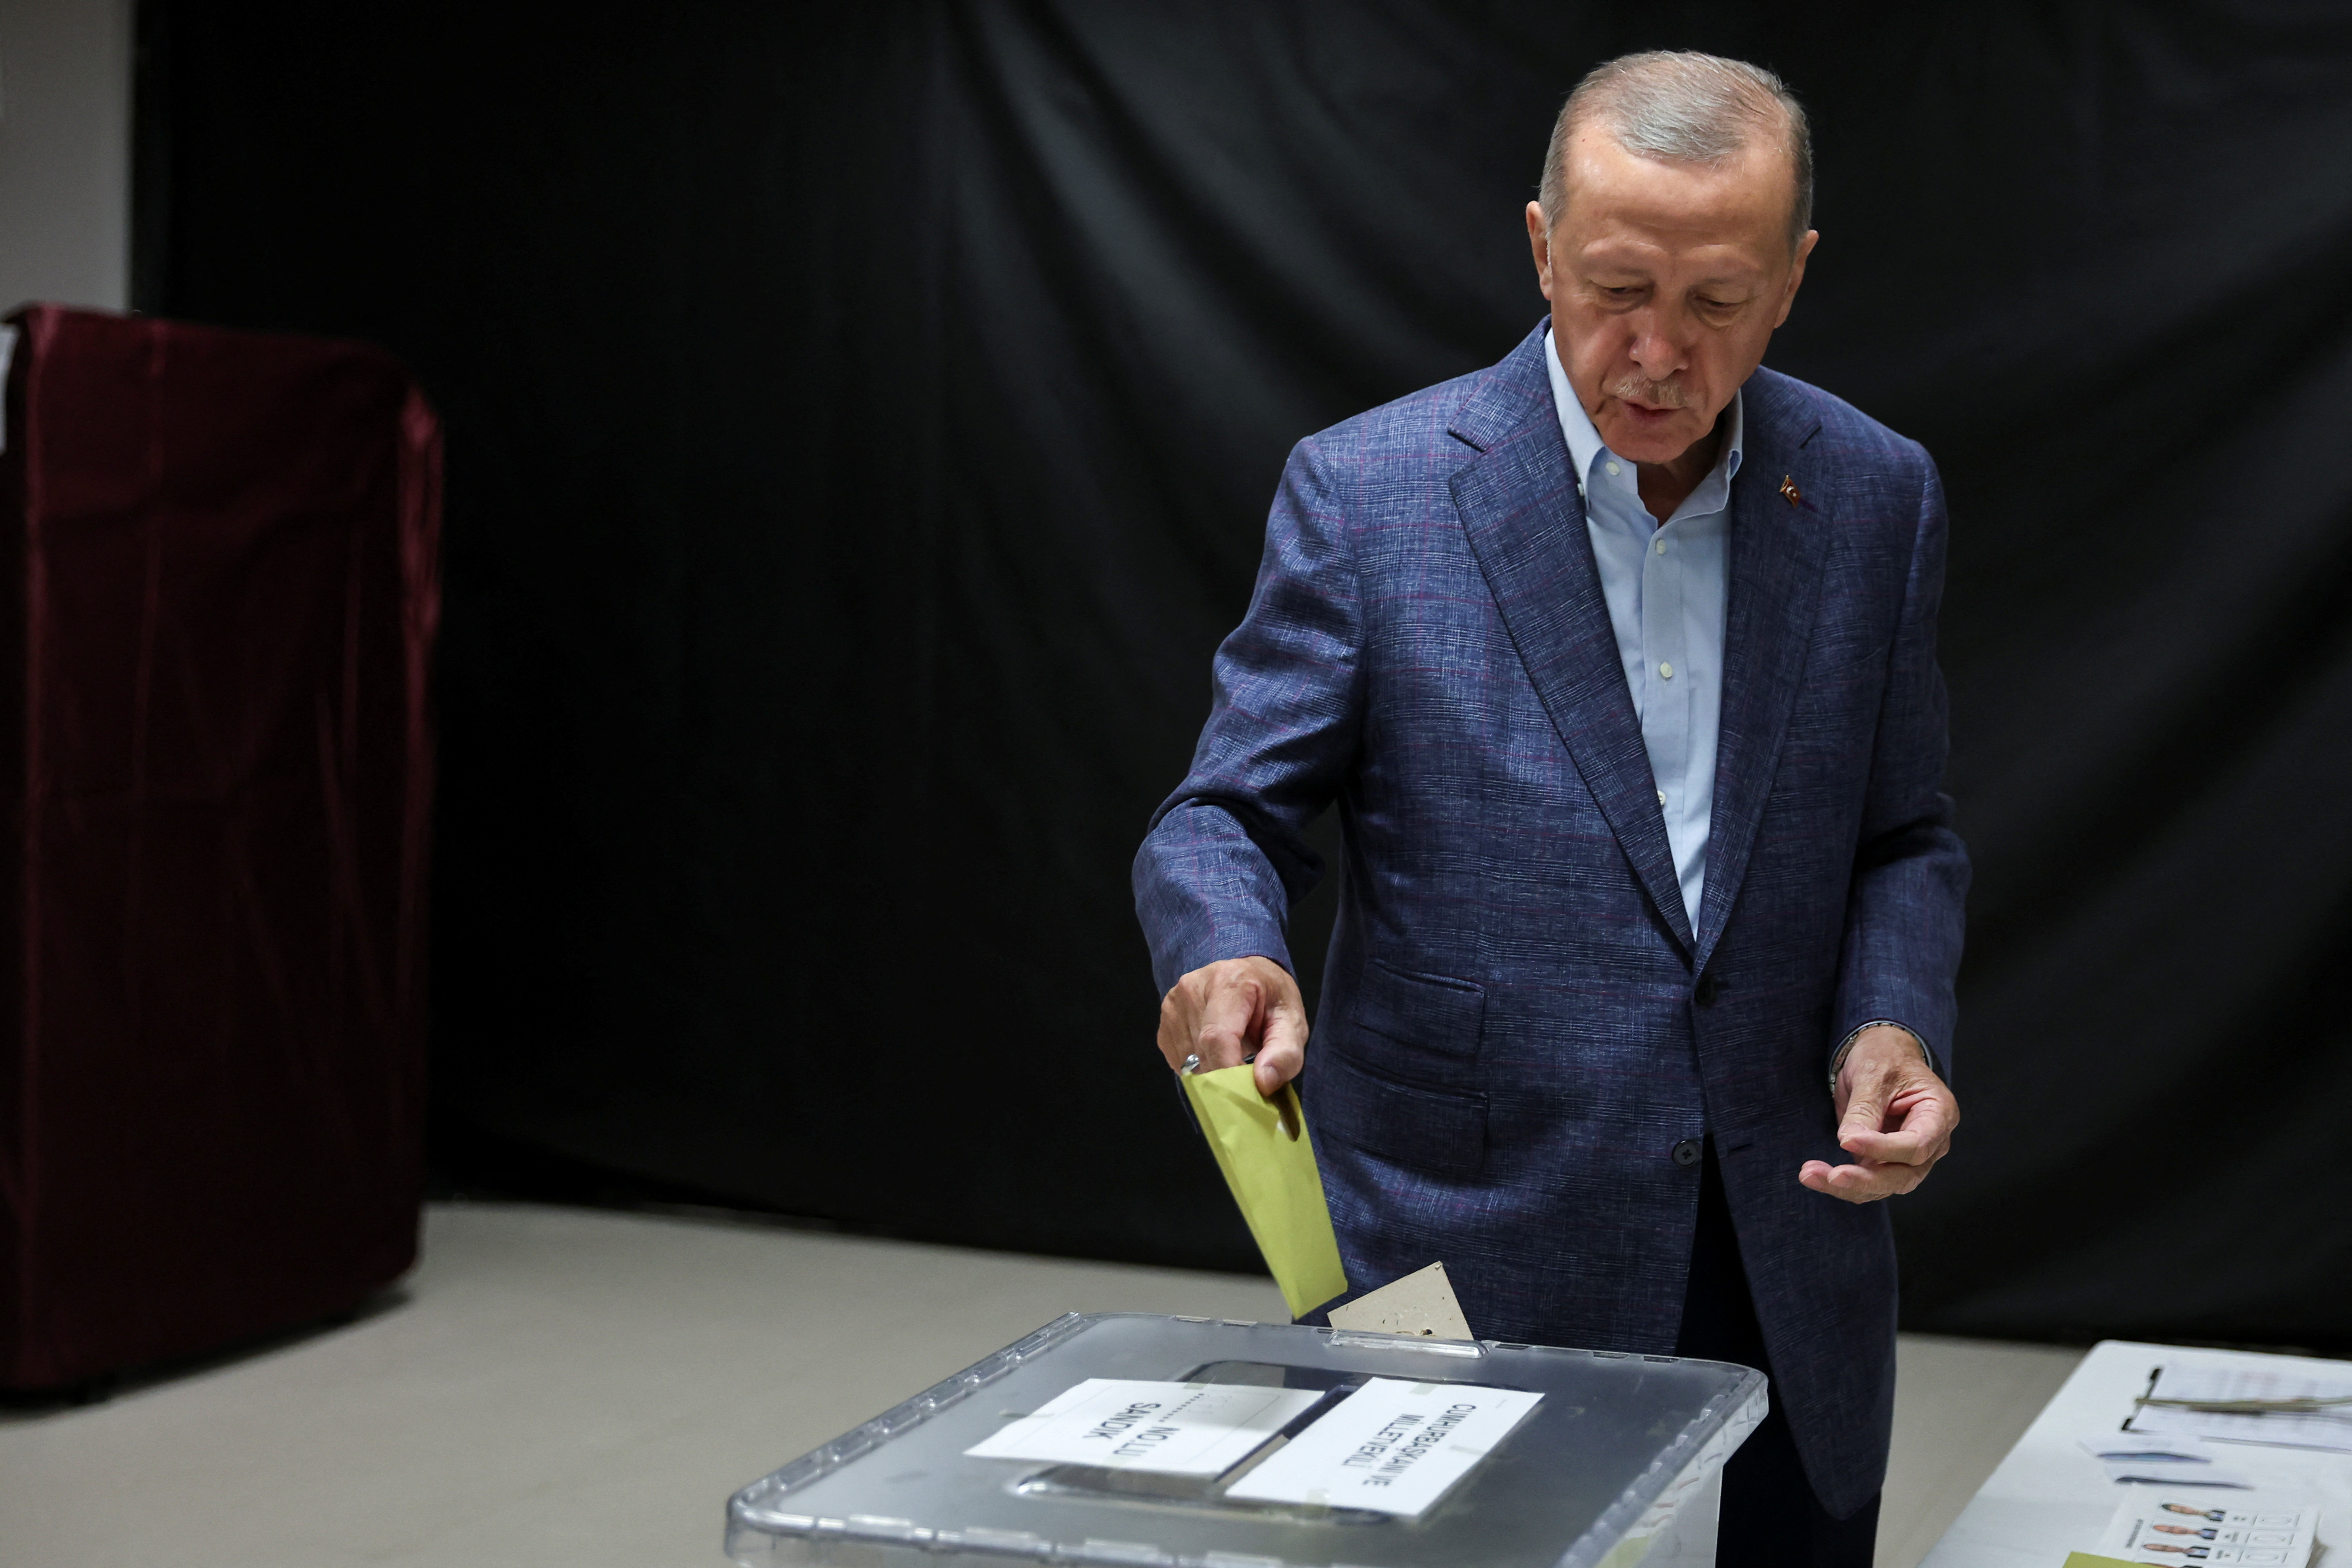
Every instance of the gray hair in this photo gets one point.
(1686, 107)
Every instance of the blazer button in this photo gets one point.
(1686, 1153)
(1705, 995)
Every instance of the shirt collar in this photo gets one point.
(1585, 446)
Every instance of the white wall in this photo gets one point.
(65, 152)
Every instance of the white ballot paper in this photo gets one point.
(1168, 1428)
(2329, 1427)
(1391, 1445)
(2173, 1528)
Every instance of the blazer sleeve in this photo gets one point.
(1226, 855)
(1904, 913)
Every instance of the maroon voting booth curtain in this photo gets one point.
(218, 589)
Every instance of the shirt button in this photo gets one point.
(1662, 797)
(1662, 547)
(1666, 671)
(1611, 467)
(1686, 1153)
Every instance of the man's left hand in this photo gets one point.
(1895, 1116)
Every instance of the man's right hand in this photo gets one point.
(1223, 1011)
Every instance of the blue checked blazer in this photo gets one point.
(1517, 1023)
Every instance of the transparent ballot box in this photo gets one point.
(1137, 1441)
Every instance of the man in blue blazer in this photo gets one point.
(1618, 661)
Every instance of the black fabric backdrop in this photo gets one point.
(862, 421)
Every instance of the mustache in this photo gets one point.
(1632, 387)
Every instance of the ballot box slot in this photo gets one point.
(1423, 1344)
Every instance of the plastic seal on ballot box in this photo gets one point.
(1131, 1440)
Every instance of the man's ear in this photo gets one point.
(1796, 276)
(1540, 242)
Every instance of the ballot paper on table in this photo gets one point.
(1268, 1160)
(2119, 1446)
(1393, 1445)
(2177, 1461)
(2177, 1528)
(2189, 1377)
(2125, 1472)
(1168, 1428)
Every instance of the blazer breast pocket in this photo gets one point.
(1848, 655)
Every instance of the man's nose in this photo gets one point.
(1653, 354)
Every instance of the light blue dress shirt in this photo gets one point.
(1665, 584)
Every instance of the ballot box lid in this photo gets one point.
(1592, 1472)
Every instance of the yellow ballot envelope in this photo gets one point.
(2086, 1560)
(1268, 1160)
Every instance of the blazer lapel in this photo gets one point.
(1779, 548)
(1520, 506)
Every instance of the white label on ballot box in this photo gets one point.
(1168, 1428)
(1391, 1446)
